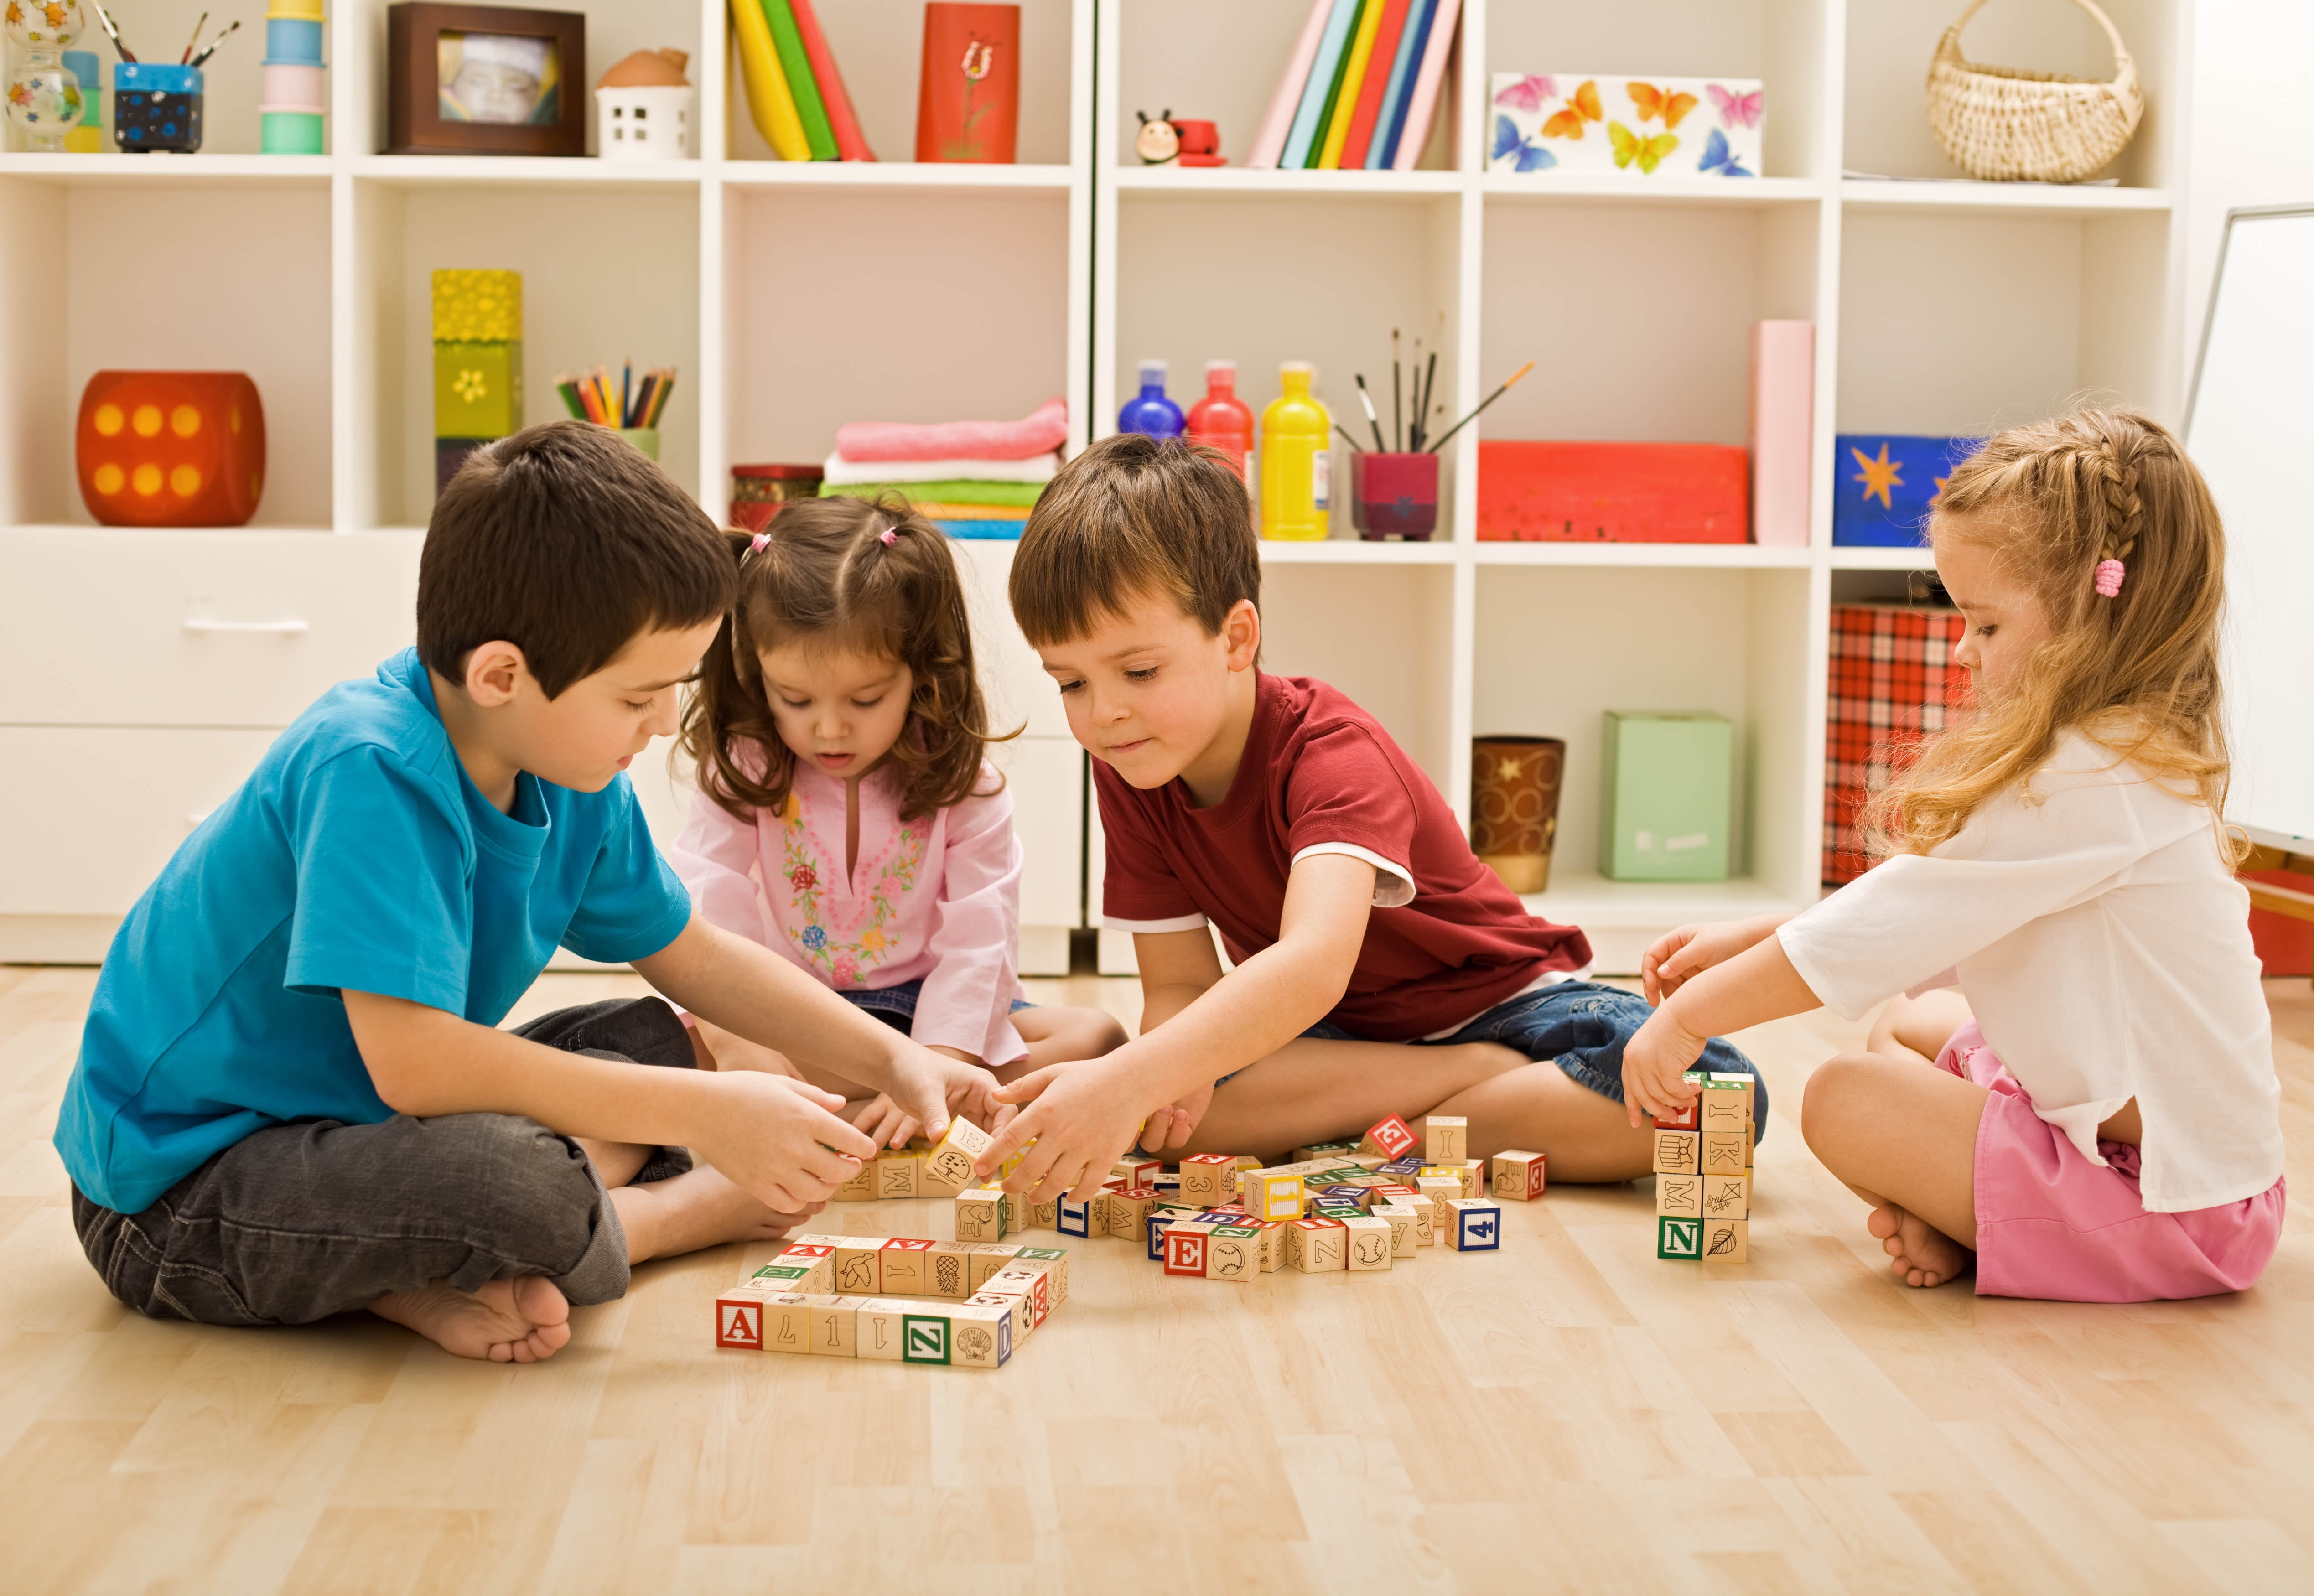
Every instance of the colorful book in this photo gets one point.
(1354, 80)
(770, 105)
(1379, 62)
(1270, 141)
(1401, 82)
(1331, 109)
(1422, 105)
(809, 107)
(1303, 137)
(843, 121)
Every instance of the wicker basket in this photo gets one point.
(2007, 126)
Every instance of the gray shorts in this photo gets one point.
(301, 1220)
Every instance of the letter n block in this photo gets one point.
(1678, 1237)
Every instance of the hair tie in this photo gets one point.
(756, 545)
(888, 536)
(2109, 573)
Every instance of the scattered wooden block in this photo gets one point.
(1684, 1120)
(979, 1337)
(948, 1167)
(906, 1271)
(1074, 1219)
(1368, 1243)
(861, 1187)
(1678, 1237)
(1138, 1169)
(1043, 1216)
(1393, 1138)
(1426, 1218)
(1054, 1262)
(1033, 1281)
(739, 1315)
(948, 1266)
(1518, 1177)
(787, 1323)
(834, 1327)
(1185, 1248)
(1681, 1195)
(1128, 1212)
(924, 1334)
(1016, 1213)
(1440, 1190)
(1015, 1304)
(1233, 1253)
(1344, 1196)
(1162, 1216)
(896, 1172)
(859, 1267)
(1727, 1152)
(1403, 1239)
(1445, 1138)
(1271, 1193)
(1472, 1225)
(1726, 1240)
(1322, 1246)
(1679, 1152)
(1208, 1178)
(1726, 1197)
(980, 1215)
(990, 1258)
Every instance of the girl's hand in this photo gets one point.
(1654, 1060)
(929, 1086)
(1172, 1126)
(883, 1123)
(1079, 1119)
(780, 1139)
(1692, 949)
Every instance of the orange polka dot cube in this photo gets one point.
(170, 448)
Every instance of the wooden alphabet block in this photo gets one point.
(1399, 1218)
(1472, 1174)
(908, 1272)
(1138, 1169)
(1440, 1190)
(1679, 1195)
(980, 1215)
(1678, 1237)
(739, 1315)
(1472, 1225)
(819, 1245)
(1043, 1216)
(787, 1324)
(1445, 1138)
(1208, 1178)
(1684, 1120)
(1717, 1115)
(1679, 1152)
(1075, 1219)
(1269, 1238)
(1726, 1240)
(1163, 1216)
(834, 1327)
(1271, 1194)
(783, 1277)
(1426, 1218)
(1185, 1248)
(859, 1267)
(1014, 1305)
(1518, 1177)
(1727, 1152)
(924, 1334)
(1368, 1243)
(897, 1173)
(861, 1187)
(948, 1266)
(876, 1327)
(1031, 1281)
(948, 1167)
(1726, 1197)
(990, 1258)
(1128, 1212)
(1233, 1253)
(979, 1337)
(1054, 1261)
(1016, 1213)
(1393, 1138)
(1321, 1248)
(1340, 1211)
(1344, 1196)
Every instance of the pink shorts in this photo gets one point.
(2053, 1225)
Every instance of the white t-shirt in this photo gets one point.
(2104, 948)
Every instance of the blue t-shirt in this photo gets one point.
(358, 854)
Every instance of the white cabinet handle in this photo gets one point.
(278, 628)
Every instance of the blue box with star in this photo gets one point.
(1883, 481)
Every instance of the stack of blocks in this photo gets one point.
(292, 96)
(477, 363)
(1703, 1172)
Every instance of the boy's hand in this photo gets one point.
(1172, 1126)
(1081, 1118)
(883, 1123)
(1692, 949)
(780, 1139)
(1654, 1060)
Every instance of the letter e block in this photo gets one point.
(1393, 1138)
(1518, 1177)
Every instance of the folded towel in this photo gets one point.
(1040, 433)
(990, 531)
(1038, 468)
(933, 509)
(1020, 494)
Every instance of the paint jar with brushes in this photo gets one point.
(631, 408)
(1393, 490)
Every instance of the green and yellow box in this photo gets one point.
(1665, 804)
(478, 307)
(477, 388)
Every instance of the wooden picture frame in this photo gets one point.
(414, 123)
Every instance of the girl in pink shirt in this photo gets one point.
(848, 817)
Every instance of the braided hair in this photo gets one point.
(2070, 507)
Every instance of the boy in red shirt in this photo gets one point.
(1380, 968)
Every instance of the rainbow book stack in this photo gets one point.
(1362, 87)
(795, 94)
(970, 479)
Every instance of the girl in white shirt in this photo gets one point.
(847, 816)
(2102, 1122)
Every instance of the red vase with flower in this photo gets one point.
(968, 108)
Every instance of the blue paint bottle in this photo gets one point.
(1150, 411)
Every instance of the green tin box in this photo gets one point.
(1664, 807)
(477, 388)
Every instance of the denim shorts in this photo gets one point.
(1582, 1026)
(896, 1006)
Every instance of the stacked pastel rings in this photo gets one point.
(291, 102)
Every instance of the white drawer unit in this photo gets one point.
(1019, 692)
(200, 628)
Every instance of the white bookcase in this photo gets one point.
(795, 297)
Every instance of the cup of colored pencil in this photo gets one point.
(628, 407)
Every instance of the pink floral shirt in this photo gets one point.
(936, 900)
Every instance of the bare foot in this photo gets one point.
(700, 1208)
(508, 1322)
(1918, 1254)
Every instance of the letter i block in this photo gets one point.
(1366, 1243)
(1445, 1138)
(1722, 1094)
(1678, 1237)
(980, 1215)
(739, 1316)
(1208, 1178)
(908, 1272)
(948, 1167)
(1185, 1248)
(1269, 1195)
(1679, 1152)
(1054, 1262)
(1472, 1225)
(1391, 1138)
(1074, 1219)
(876, 1328)
(1726, 1240)
(1233, 1253)
(1518, 1177)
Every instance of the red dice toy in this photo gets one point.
(170, 448)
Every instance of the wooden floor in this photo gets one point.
(1569, 1414)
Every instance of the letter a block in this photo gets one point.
(739, 1316)
(1471, 1226)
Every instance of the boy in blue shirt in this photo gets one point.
(291, 1099)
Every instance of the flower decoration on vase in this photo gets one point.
(968, 102)
(44, 97)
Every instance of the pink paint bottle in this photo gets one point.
(1221, 419)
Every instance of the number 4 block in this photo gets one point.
(1471, 1226)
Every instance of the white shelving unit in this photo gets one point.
(795, 297)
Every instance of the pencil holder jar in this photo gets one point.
(1394, 494)
(157, 107)
(295, 88)
(645, 438)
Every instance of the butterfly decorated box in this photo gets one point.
(1652, 127)
(1882, 482)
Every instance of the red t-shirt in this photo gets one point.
(1320, 775)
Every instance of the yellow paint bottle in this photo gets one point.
(1295, 461)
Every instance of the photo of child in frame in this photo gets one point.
(502, 78)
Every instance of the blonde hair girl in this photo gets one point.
(2101, 1120)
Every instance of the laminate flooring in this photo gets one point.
(1568, 1414)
